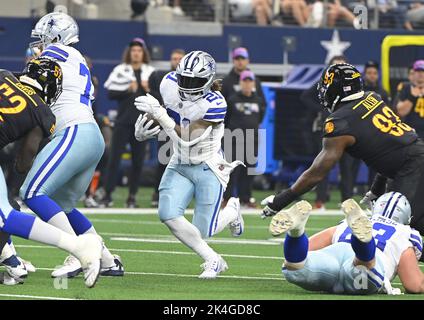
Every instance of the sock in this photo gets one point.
(108, 260)
(227, 215)
(94, 183)
(296, 248)
(80, 224)
(12, 246)
(49, 211)
(363, 251)
(189, 235)
(30, 227)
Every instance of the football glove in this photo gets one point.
(143, 130)
(267, 211)
(369, 199)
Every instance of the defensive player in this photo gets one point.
(63, 170)
(361, 124)
(24, 114)
(193, 119)
(360, 255)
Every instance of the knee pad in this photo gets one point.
(167, 209)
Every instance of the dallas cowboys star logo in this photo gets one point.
(51, 23)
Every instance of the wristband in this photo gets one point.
(283, 199)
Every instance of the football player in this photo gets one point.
(24, 113)
(360, 255)
(361, 124)
(193, 117)
(63, 169)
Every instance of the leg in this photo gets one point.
(119, 139)
(86, 248)
(262, 12)
(138, 151)
(175, 193)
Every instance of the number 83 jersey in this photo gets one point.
(391, 239)
(74, 103)
(378, 131)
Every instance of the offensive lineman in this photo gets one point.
(193, 119)
(23, 113)
(360, 255)
(63, 170)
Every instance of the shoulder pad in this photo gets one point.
(334, 127)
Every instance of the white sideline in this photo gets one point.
(143, 211)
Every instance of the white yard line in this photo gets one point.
(190, 275)
(217, 241)
(33, 297)
(161, 252)
(147, 211)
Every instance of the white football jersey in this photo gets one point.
(391, 239)
(74, 103)
(212, 107)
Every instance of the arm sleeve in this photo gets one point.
(336, 128)
(217, 111)
(45, 119)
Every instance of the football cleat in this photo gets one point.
(71, 268)
(294, 218)
(89, 253)
(7, 280)
(116, 270)
(15, 268)
(212, 268)
(90, 202)
(357, 220)
(27, 264)
(237, 225)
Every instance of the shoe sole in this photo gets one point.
(112, 273)
(97, 277)
(357, 220)
(223, 269)
(69, 275)
(284, 220)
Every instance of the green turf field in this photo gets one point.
(158, 267)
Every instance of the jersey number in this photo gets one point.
(389, 122)
(381, 237)
(18, 102)
(419, 107)
(85, 97)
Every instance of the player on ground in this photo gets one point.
(194, 120)
(63, 170)
(361, 124)
(24, 114)
(360, 255)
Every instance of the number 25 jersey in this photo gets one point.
(379, 133)
(74, 103)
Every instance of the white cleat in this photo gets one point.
(7, 280)
(357, 220)
(115, 270)
(89, 252)
(236, 226)
(212, 268)
(71, 268)
(15, 268)
(293, 218)
(28, 265)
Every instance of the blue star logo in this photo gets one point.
(211, 65)
(51, 23)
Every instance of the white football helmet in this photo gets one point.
(195, 75)
(393, 205)
(55, 27)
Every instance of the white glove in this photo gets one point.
(151, 105)
(142, 128)
(369, 199)
(267, 211)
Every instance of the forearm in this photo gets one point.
(379, 184)
(404, 107)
